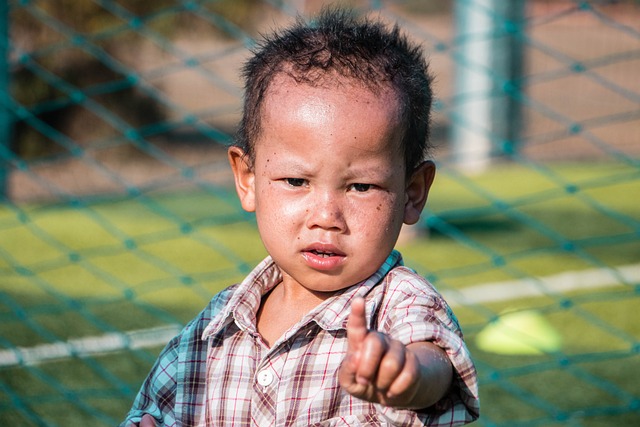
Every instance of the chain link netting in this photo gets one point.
(118, 220)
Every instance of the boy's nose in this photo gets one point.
(326, 212)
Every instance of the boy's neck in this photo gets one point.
(282, 308)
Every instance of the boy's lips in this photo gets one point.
(323, 256)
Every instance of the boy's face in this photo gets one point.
(328, 183)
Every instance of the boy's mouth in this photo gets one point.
(323, 254)
(324, 250)
(323, 257)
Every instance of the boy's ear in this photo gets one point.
(417, 191)
(244, 178)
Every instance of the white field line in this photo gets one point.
(485, 293)
(89, 346)
(544, 286)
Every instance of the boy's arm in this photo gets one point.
(172, 392)
(156, 397)
(382, 370)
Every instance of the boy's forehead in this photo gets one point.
(331, 84)
(347, 108)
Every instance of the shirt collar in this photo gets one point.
(331, 314)
(245, 299)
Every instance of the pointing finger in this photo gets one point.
(356, 334)
(356, 325)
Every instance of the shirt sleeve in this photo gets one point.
(157, 394)
(413, 311)
(173, 390)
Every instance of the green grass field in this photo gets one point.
(118, 264)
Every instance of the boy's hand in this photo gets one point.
(377, 368)
(382, 370)
(147, 421)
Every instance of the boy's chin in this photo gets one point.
(325, 285)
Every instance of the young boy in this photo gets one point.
(330, 329)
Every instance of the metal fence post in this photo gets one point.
(488, 60)
(5, 114)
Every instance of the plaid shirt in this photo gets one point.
(218, 371)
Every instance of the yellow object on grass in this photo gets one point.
(519, 333)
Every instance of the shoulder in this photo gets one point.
(405, 279)
(218, 303)
(408, 298)
(403, 286)
(192, 331)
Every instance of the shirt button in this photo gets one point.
(265, 377)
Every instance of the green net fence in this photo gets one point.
(118, 220)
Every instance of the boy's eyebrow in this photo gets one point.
(294, 166)
(288, 162)
(370, 173)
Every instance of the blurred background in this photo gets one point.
(118, 220)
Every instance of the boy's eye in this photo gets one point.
(361, 188)
(295, 182)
